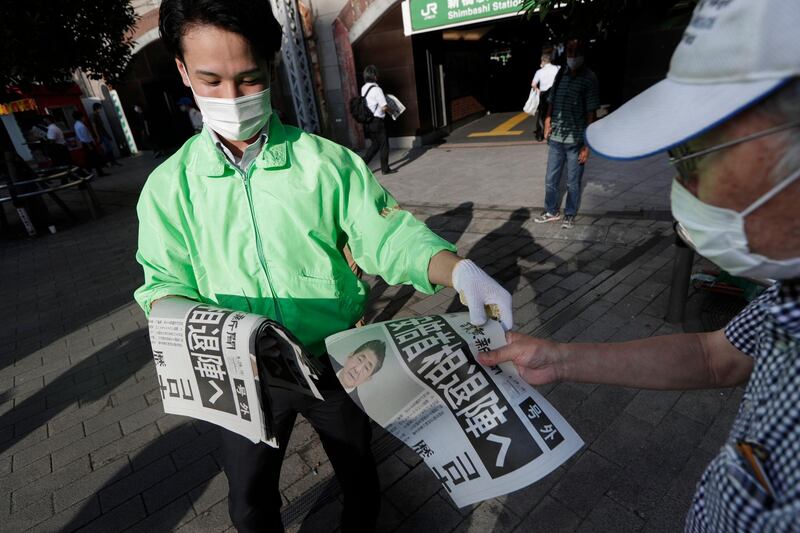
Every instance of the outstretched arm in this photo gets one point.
(482, 295)
(688, 361)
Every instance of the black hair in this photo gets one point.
(378, 348)
(252, 19)
(96, 105)
(371, 74)
(580, 39)
(77, 115)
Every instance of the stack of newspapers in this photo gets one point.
(218, 365)
(482, 431)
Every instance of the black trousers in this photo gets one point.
(541, 113)
(93, 158)
(379, 141)
(253, 470)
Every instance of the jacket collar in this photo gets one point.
(786, 306)
(205, 159)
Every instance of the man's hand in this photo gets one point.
(538, 361)
(547, 129)
(583, 155)
(478, 292)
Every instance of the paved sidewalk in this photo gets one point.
(84, 443)
(513, 175)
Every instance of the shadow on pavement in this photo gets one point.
(449, 225)
(186, 451)
(90, 380)
(411, 156)
(500, 251)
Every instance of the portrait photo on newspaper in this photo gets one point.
(482, 431)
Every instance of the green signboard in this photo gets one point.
(427, 15)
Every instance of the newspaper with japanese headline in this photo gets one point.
(211, 365)
(483, 431)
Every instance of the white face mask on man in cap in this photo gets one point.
(718, 79)
(574, 63)
(718, 234)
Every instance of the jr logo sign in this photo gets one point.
(429, 12)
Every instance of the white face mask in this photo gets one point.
(718, 234)
(575, 63)
(236, 119)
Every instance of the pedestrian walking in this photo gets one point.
(186, 105)
(376, 129)
(542, 82)
(729, 116)
(140, 124)
(573, 102)
(57, 149)
(140, 127)
(88, 143)
(105, 137)
(281, 203)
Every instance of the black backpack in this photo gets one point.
(359, 108)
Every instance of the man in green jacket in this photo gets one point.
(253, 215)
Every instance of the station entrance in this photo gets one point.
(479, 68)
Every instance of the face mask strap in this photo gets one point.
(772, 192)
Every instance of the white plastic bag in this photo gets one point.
(532, 104)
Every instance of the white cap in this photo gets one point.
(732, 54)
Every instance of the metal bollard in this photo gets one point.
(681, 275)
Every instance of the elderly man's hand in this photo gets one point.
(538, 361)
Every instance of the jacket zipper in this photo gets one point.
(246, 182)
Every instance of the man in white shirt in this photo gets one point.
(375, 130)
(186, 105)
(57, 149)
(54, 133)
(543, 82)
(88, 143)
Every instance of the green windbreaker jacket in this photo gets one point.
(270, 241)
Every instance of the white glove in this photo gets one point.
(480, 293)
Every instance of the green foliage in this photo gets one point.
(45, 41)
(598, 18)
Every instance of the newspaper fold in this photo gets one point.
(205, 358)
(483, 432)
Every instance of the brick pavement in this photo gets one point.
(84, 443)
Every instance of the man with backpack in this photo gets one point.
(373, 110)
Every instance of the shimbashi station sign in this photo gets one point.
(428, 15)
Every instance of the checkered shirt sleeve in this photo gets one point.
(743, 330)
(729, 497)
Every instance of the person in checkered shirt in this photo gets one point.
(729, 116)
